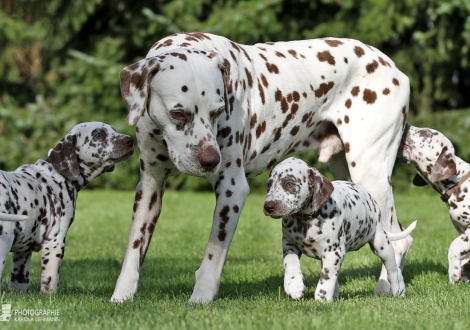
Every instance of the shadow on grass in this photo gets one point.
(174, 278)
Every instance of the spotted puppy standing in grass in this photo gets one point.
(433, 156)
(37, 202)
(324, 220)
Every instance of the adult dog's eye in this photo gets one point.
(214, 115)
(179, 115)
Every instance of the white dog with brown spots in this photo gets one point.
(324, 220)
(209, 107)
(432, 154)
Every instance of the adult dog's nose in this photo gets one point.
(209, 158)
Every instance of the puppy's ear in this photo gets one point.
(322, 189)
(64, 157)
(444, 167)
(418, 181)
(135, 86)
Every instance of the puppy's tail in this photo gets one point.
(403, 234)
(12, 217)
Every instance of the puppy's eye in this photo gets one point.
(98, 134)
(289, 184)
(179, 115)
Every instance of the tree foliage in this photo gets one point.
(60, 60)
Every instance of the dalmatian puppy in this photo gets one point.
(37, 202)
(324, 220)
(206, 106)
(433, 156)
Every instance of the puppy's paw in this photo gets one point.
(294, 286)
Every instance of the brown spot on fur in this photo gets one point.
(359, 51)
(324, 89)
(184, 89)
(355, 91)
(333, 43)
(272, 68)
(264, 81)
(371, 67)
(347, 148)
(278, 95)
(346, 119)
(292, 52)
(249, 77)
(261, 93)
(395, 82)
(369, 96)
(326, 57)
(348, 103)
(386, 91)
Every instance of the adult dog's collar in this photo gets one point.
(445, 196)
(305, 217)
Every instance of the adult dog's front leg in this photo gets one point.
(147, 208)
(231, 191)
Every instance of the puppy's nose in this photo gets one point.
(269, 206)
(128, 141)
(209, 158)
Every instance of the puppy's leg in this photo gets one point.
(293, 278)
(52, 254)
(20, 271)
(5, 247)
(458, 250)
(382, 247)
(328, 283)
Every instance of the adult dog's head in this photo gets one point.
(184, 94)
(431, 154)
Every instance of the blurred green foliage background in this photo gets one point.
(60, 61)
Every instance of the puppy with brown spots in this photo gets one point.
(37, 202)
(433, 156)
(324, 220)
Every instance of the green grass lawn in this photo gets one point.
(251, 294)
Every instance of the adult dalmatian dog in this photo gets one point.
(433, 156)
(207, 106)
(37, 202)
(324, 220)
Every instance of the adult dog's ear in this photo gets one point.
(64, 157)
(322, 188)
(135, 86)
(444, 167)
(224, 67)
